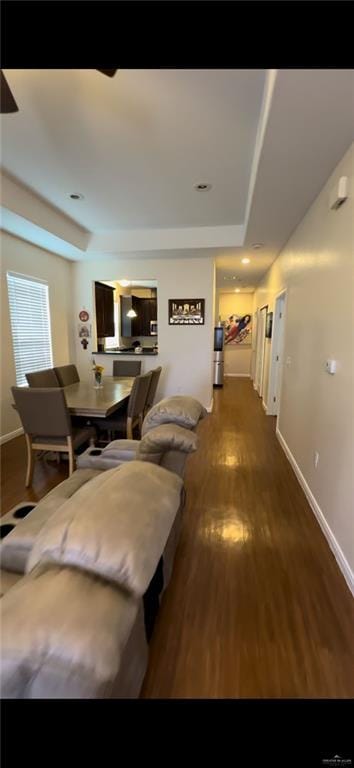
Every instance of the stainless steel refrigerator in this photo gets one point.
(218, 356)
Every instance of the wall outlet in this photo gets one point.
(316, 458)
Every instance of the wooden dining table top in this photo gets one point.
(83, 399)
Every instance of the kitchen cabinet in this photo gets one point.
(146, 310)
(104, 299)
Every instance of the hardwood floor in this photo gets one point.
(47, 474)
(257, 606)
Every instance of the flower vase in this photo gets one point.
(98, 381)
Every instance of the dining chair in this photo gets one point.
(126, 367)
(155, 376)
(46, 378)
(125, 419)
(67, 374)
(47, 425)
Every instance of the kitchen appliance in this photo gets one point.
(218, 363)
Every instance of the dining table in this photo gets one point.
(83, 399)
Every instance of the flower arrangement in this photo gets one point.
(97, 370)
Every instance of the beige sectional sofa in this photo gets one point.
(86, 570)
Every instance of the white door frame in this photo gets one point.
(276, 364)
(254, 347)
(260, 348)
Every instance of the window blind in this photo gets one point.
(30, 325)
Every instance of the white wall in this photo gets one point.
(317, 409)
(19, 256)
(185, 353)
(237, 358)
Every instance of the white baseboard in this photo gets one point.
(11, 435)
(264, 406)
(210, 406)
(238, 375)
(332, 541)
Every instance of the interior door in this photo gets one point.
(278, 362)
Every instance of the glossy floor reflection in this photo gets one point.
(257, 606)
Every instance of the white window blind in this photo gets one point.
(30, 325)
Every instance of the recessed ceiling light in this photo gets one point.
(237, 290)
(257, 246)
(75, 196)
(245, 261)
(202, 186)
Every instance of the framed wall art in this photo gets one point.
(238, 330)
(269, 325)
(186, 311)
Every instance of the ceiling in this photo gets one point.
(232, 274)
(135, 145)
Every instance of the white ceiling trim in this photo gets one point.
(20, 227)
(166, 239)
(262, 125)
(27, 205)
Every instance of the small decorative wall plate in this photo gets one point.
(84, 316)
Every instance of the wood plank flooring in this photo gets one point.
(257, 606)
(47, 474)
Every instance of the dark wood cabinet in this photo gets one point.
(104, 310)
(146, 310)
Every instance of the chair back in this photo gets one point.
(43, 412)
(67, 374)
(138, 395)
(155, 375)
(126, 367)
(46, 378)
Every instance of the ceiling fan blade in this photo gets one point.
(108, 72)
(7, 101)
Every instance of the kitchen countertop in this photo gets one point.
(127, 352)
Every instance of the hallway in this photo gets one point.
(257, 606)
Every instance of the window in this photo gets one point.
(30, 325)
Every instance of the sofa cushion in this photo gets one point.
(8, 579)
(116, 526)
(126, 449)
(115, 453)
(179, 409)
(166, 437)
(63, 634)
(16, 546)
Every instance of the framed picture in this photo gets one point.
(186, 311)
(269, 325)
(84, 331)
(238, 330)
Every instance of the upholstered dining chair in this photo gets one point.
(126, 418)
(67, 374)
(126, 367)
(46, 378)
(155, 376)
(47, 425)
